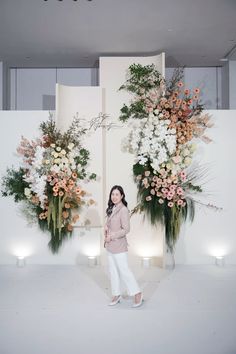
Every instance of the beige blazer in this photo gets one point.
(118, 224)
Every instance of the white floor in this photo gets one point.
(63, 310)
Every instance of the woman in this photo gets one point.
(116, 227)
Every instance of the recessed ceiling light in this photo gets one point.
(224, 59)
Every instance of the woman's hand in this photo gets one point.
(105, 230)
(107, 238)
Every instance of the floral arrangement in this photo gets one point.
(166, 120)
(49, 179)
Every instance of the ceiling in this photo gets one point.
(38, 33)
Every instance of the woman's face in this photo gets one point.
(116, 196)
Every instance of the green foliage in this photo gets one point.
(136, 110)
(171, 217)
(93, 176)
(13, 184)
(72, 135)
(140, 80)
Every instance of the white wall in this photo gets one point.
(207, 79)
(34, 89)
(214, 232)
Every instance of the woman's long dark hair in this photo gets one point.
(111, 204)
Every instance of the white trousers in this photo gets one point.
(119, 270)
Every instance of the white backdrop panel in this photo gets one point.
(213, 233)
(143, 240)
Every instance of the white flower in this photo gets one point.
(70, 146)
(58, 148)
(186, 152)
(187, 161)
(27, 192)
(151, 139)
(57, 161)
(64, 160)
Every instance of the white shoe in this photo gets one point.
(138, 303)
(112, 303)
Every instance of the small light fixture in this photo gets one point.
(224, 59)
(20, 261)
(92, 261)
(146, 262)
(220, 261)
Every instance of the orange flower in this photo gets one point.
(74, 175)
(61, 193)
(67, 205)
(55, 189)
(35, 200)
(75, 218)
(55, 194)
(65, 214)
(71, 182)
(196, 90)
(187, 92)
(78, 190)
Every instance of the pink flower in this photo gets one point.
(161, 201)
(170, 204)
(164, 190)
(176, 159)
(169, 197)
(147, 173)
(153, 191)
(180, 191)
(183, 174)
(171, 194)
(145, 181)
(180, 202)
(172, 187)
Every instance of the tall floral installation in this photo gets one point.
(166, 121)
(49, 178)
